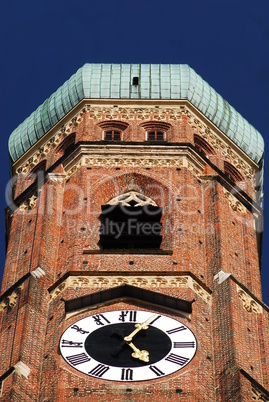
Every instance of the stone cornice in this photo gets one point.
(134, 156)
(103, 281)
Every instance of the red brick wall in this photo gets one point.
(200, 229)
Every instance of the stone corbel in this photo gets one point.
(234, 203)
(249, 304)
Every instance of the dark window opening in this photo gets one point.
(202, 146)
(130, 227)
(67, 144)
(155, 136)
(232, 172)
(112, 135)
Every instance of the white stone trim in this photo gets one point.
(22, 369)
(125, 199)
(249, 304)
(38, 273)
(146, 281)
(221, 277)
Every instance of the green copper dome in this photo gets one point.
(155, 81)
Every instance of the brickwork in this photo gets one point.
(208, 226)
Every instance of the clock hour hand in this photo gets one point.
(139, 354)
(144, 325)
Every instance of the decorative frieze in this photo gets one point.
(249, 303)
(132, 196)
(147, 281)
(54, 141)
(135, 160)
(258, 395)
(135, 113)
(218, 144)
(160, 113)
(236, 205)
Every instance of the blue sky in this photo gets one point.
(44, 42)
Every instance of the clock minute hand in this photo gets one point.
(142, 325)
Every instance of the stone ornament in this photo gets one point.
(249, 303)
(152, 282)
(11, 300)
(139, 113)
(218, 144)
(234, 203)
(29, 204)
(107, 160)
(258, 395)
(125, 200)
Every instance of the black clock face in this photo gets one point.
(128, 345)
(107, 345)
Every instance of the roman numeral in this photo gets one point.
(156, 371)
(159, 316)
(126, 374)
(80, 330)
(99, 318)
(184, 344)
(125, 314)
(99, 370)
(78, 359)
(71, 344)
(172, 358)
(172, 331)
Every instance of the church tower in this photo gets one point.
(134, 244)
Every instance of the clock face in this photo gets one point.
(128, 345)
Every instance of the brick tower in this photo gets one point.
(134, 244)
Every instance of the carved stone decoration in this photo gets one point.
(74, 169)
(140, 113)
(234, 203)
(127, 198)
(58, 290)
(11, 299)
(3, 306)
(218, 144)
(249, 303)
(30, 203)
(258, 395)
(55, 140)
(136, 161)
(23, 206)
(167, 281)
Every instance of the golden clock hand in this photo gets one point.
(139, 354)
(142, 325)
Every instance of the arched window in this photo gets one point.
(156, 131)
(232, 172)
(130, 221)
(113, 130)
(202, 146)
(66, 144)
